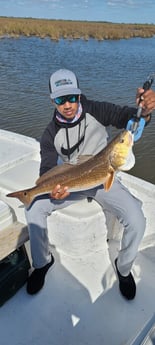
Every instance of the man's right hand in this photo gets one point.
(147, 100)
(59, 193)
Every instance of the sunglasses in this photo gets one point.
(63, 99)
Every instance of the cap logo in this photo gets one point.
(63, 82)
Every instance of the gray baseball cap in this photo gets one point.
(63, 82)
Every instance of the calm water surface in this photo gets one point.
(107, 70)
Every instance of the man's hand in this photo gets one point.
(59, 193)
(147, 100)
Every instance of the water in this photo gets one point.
(107, 70)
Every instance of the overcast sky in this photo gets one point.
(120, 11)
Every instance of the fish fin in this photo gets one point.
(109, 181)
(58, 169)
(83, 158)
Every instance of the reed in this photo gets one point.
(67, 29)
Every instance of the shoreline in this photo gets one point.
(12, 27)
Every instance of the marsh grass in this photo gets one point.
(67, 29)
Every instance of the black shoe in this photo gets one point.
(127, 284)
(36, 280)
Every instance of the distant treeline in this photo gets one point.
(56, 29)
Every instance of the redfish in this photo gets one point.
(89, 172)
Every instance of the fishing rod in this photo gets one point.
(137, 124)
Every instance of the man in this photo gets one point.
(78, 128)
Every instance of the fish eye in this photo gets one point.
(25, 193)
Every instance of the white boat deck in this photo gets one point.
(80, 303)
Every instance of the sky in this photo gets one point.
(118, 11)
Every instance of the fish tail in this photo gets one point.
(23, 196)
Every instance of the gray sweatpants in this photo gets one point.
(118, 201)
